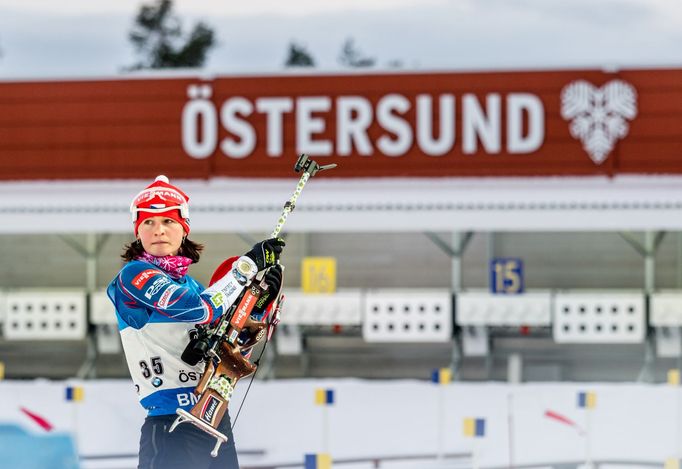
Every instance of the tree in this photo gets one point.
(298, 56)
(395, 63)
(157, 36)
(351, 57)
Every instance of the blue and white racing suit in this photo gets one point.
(155, 315)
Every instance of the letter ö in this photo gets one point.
(199, 110)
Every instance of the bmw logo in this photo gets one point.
(156, 382)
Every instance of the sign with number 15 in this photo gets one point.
(506, 275)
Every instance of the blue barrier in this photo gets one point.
(20, 449)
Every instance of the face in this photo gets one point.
(161, 236)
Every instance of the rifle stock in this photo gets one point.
(226, 358)
(226, 363)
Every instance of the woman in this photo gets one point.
(157, 305)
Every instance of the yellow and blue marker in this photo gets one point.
(74, 394)
(474, 427)
(324, 396)
(318, 461)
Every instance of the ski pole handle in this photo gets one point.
(309, 168)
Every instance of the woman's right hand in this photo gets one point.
(266, 253)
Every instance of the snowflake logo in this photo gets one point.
(598, 116)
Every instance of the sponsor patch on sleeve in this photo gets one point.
(229, 289)
(166, 296)
(156, 287)
(143, 277)
(218, 299)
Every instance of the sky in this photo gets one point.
(86, 38)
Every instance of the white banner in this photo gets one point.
(280, 422)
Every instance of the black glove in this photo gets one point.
(196, 349)
(273, 279)
(266, 253)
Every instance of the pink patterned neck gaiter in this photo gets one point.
(175, 266)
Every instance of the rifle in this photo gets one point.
(226, 348)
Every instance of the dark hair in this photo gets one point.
(188, 248)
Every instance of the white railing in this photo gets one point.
(341, 308)
(481, 308)
(102, 310)
(665, 309)
(386, 315)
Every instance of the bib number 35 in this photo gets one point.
(155, 366)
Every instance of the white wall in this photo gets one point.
(631, 422)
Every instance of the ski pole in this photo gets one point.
(309, 168)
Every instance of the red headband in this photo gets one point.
(160, 199)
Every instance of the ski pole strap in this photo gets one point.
(290, 205)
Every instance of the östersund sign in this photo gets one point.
(378, 125)
(395, 124)
(350, 117)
